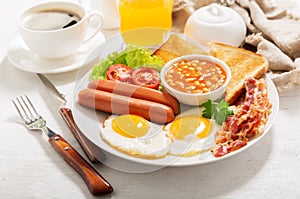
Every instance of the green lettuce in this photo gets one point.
(133, 56)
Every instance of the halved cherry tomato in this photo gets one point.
(119, 72)
(146, 77)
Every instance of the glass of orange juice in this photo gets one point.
(144, 22)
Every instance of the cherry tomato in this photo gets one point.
(146, 77)
(119, 72)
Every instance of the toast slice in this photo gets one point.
(177, 46)
(242, 63)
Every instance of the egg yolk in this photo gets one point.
(131, 126)
(190, 125)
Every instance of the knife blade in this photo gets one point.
(88, 147)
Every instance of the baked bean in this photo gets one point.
(195, 76)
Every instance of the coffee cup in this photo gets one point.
(56, 29)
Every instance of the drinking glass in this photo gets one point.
(145, 22)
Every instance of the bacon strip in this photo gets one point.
(248, 120)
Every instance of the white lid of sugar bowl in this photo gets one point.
(216, 23)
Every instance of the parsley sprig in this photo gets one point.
(219, 111)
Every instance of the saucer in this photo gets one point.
(22, 58)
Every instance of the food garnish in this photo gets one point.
(147, 77)
(217, 110)
(133, 56)
(119, 72)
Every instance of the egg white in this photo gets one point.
(155, 144)
(192, 145)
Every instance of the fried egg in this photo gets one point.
(136, 136)
(192, 133)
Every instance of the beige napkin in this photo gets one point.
(275, 37)
(182, 9)
(278, 61)
(280, 30)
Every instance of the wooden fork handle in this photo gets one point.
(88, 147)
(95, 182)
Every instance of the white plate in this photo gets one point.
(21, 57)
(89, 122)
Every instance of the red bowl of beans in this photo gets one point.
(194, 79)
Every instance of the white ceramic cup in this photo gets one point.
(59, 43)
(109, 10)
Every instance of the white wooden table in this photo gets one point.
(30, 168)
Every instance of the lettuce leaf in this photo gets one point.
(133, 56)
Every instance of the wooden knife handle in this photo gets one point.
(95, 182)
(88, 147)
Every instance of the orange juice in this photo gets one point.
(137, 16)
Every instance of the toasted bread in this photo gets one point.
(242, 63)
(177, 46)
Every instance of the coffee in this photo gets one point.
(48, 28)
(50, 20)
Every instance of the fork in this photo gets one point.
(97, 185)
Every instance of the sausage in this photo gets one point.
(135, 91)
(118, 104)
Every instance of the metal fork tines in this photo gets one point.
(30, 116)
(33, 121)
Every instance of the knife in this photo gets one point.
(88, 147)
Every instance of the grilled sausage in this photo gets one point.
(119, 104)
(135, 91)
